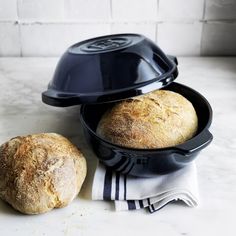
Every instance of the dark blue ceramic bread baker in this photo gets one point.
(101, 71)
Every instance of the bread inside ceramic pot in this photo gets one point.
(156, 120)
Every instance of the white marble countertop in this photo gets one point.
(21, 112)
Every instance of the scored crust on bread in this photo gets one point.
(156, 120)
(40, 172)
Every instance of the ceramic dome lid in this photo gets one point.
(109, 68)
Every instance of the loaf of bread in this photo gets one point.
(155, 120)
(40, 172)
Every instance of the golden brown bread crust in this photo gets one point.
(155, 120)
(40, 172)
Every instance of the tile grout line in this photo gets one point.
(187, 21)
(156, 28)
(204, 10)
(111, 9)
(65, 9)
(19, 27)
(203, 22)
(111, 15)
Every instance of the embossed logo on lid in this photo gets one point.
(105, 44)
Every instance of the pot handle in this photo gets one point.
(173, 58)
(54, 98)
(196, 144)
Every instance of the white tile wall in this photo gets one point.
(134, 9)
(9, 39)
(181, 9)
(8, 10)
(180, 39)
(180, 27)
(220, 9)
(41, 10)
(219, 38)
(88, 9)
(54, 39)
(147, 29)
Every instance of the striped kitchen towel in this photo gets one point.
(130, 193)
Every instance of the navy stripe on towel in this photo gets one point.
(153, 209)
(107, 185)
(150, 206)
(131, 204)
(117, 186)
(124, 187)
(141, 203)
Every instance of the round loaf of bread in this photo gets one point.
(155, 120)
(40, 172)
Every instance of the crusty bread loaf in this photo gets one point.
(40, 172)
(155, 120)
